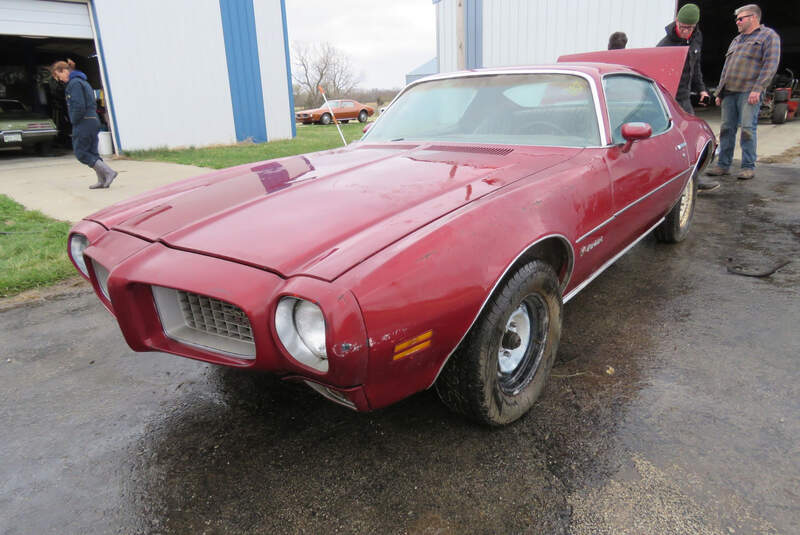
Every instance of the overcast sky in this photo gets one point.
(384, 39)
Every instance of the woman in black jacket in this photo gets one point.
(82, 111)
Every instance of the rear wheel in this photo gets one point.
(362, 116)
(676, 225)
(779, 113)
(499, 370)
(325, 119)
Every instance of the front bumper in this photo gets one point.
(135, 266)
(8, 138)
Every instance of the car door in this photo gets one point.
(645, 176)
(348, 110)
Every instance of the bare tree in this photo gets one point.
(324, 65)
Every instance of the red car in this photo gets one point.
(343, 109)
(437, 251)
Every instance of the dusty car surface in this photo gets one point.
(437, 251)
(22, 128)
(344, 110)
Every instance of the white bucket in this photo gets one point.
(104, 147)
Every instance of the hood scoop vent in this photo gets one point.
(497, 151)
(394, 146)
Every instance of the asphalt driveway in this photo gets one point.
(673, 409)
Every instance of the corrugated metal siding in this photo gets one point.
(169, 77)
(276, 87)
(526, 32)
(244, 74)
(446, 41)
(51, 19)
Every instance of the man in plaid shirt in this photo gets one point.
(750, 64)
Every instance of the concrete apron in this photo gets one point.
(59, 186)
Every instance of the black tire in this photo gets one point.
(676, 225)
(362, 116)
(325, 119)
(480, 384)
(779, 113)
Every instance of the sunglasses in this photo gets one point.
(740, 19)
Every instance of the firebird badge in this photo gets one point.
(589, 246)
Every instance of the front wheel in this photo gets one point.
(325, 119)
(362, 116)
(676, 225)
(779, 113)
(499, 370)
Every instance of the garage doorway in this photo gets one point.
(25, 76)
(33, 35)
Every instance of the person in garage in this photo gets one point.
(82, 111)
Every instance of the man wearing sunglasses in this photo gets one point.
(750, 64)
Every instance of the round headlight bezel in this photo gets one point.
(305, 339)
(77, 244)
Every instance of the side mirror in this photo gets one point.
(367, 127)
(635, 132)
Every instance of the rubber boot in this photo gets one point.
(105, 172)
(99, 183)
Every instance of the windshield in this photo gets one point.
(513, 109)
(11, 105)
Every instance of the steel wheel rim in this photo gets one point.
(522, 344)
(686, 203)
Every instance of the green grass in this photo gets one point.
(310, 138)
(33, 249)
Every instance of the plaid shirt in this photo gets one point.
(751, 61)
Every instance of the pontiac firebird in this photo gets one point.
(436, 251)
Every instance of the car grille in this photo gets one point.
(205, 322)
(214, 316)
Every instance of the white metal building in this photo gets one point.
(174, 73)
(493, 33)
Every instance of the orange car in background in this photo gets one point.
(343, 109)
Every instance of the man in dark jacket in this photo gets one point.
(684, 32)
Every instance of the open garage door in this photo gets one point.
(33, 35)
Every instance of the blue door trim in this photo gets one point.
(473, 13)
(288, 68)
(107, 77)
(244, 69)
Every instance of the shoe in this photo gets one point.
(707, 185)
(105, 174)
(746, 174)
(97, 185)
(717, 171)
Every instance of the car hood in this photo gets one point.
(322, 213)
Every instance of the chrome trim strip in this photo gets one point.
(567, 277)
(605, 266)
(662, 186)
(489, 72)
(640, 199)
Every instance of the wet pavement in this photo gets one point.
(673, 409)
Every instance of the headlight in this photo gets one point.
(301, 328)
(77, 244)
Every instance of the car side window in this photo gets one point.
(348, 104)
(632, 99)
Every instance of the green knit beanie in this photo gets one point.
(689, 14)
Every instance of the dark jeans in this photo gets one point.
(686, 104)
(84, 140)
